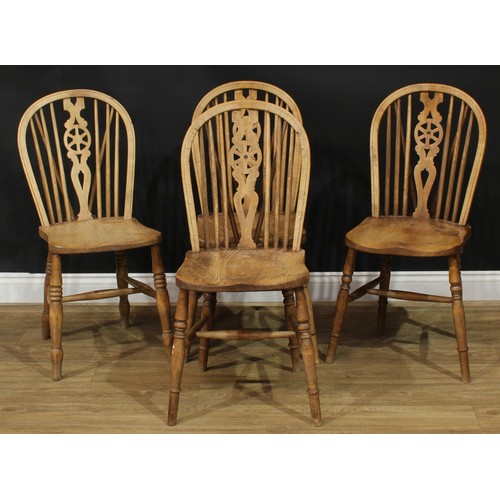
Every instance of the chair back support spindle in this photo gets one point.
(426, 144)
(77, 148)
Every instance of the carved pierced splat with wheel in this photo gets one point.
(77, 141)
(245, 160)
(428, 137)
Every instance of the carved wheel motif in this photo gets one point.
(429, 133)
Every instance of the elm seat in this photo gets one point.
(408, 236)
(111, 234)
(242, 270)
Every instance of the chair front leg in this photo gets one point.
(162, 298)
(341, 305)
(56, 317)
(177, 363)
(458, 312)
(46, 301)
(308, 358)
(121, 274)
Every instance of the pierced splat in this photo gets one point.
(245, 160)
(428, 136)
(77, 140)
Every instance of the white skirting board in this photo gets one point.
(27, 288)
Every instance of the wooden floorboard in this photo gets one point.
(116, 380)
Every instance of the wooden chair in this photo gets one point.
(77, 149)
(228, 179)
(427, 144)
(266, 92)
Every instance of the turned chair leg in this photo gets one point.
(177, 362)
(385, 273)
(121, 274)
(341, 305)
(290, 320)
(308, 358)
(459, 316)
(46, 302)
(207, 311)
(314, 338)
(162, 298)
(192, 307)
(56, 317)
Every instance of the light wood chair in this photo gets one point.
(426, 144)
(248, 89)
(77, 148)
(245, 223)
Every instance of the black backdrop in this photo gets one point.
(337, 104)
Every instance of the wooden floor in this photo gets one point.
(116, 380)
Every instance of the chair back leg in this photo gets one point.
(341, 305)
(121, 275)
(458, 312)
(385, 274)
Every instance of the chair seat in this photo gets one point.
(98, 235)
(408, 236)
(238, 270)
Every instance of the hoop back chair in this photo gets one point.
(245, 226)
(77, 148)
(248, 89)
(427, 145)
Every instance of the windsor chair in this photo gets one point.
(427, 145)
(247, 89)
(245, 236)
(77, 148)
